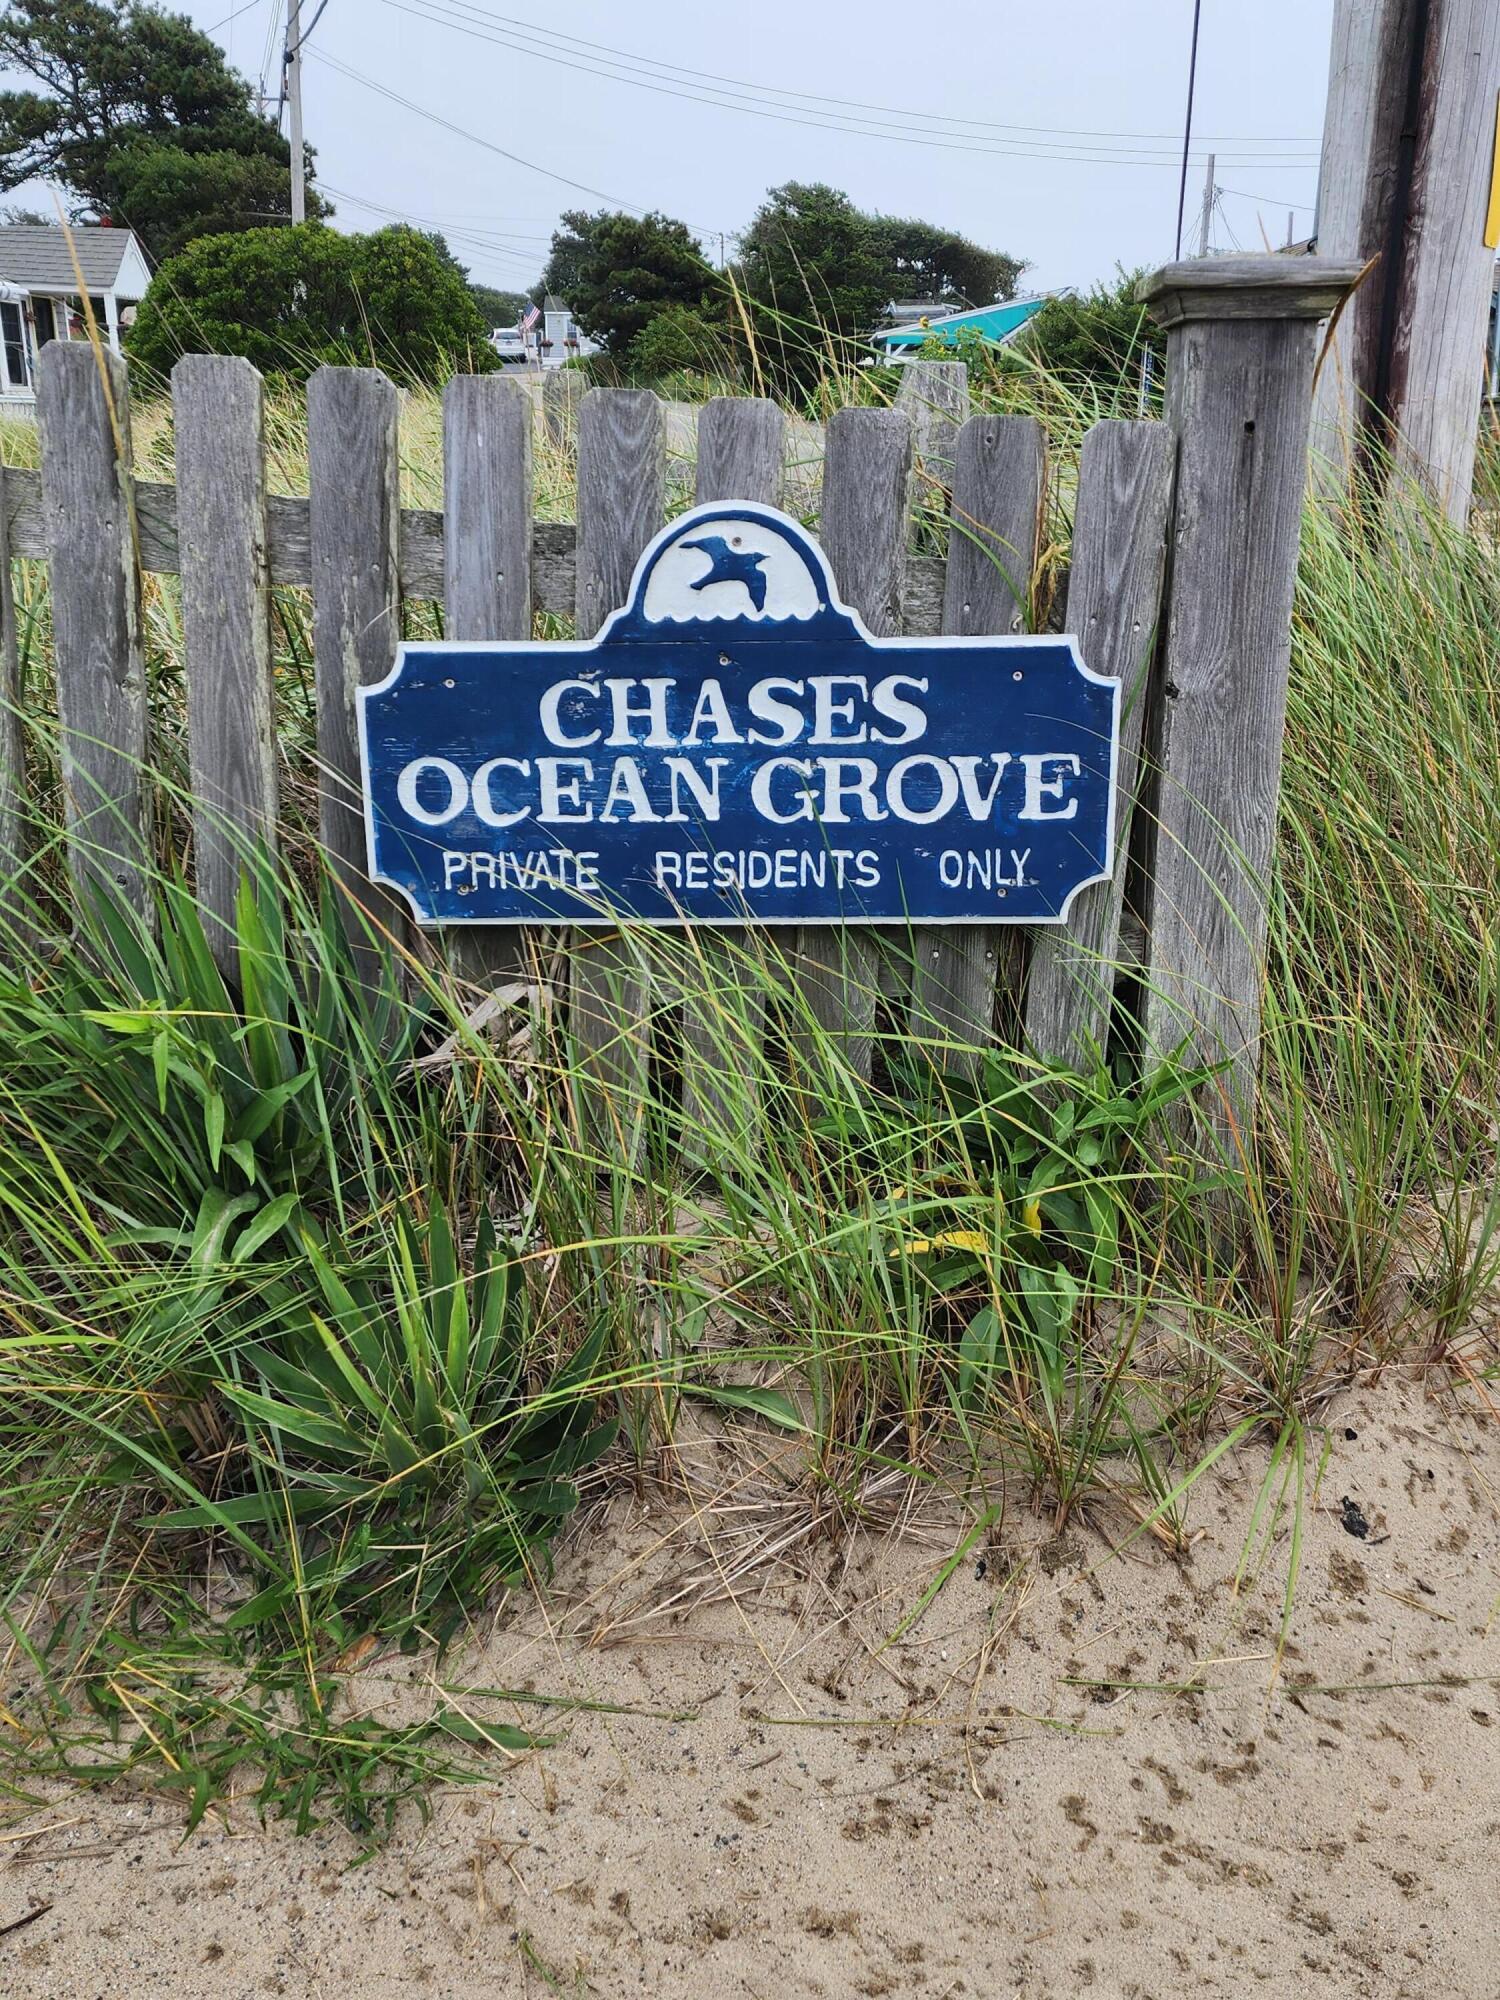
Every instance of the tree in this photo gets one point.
(288, 299)
(497, 308)
(137, 114)
(924, 262)
(811, 258)
(617, 272)
(1098, 338)
(821, 273)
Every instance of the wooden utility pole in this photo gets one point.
(293, 84)
(1206, 221)
(1408, 149)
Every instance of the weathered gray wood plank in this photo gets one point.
(487, 487)
(353, 478)
(1405, 178)
(562, 395)
(866, 495)
(935, 395)
(999, 483)
(553, 581)
(83, 409)
(1114, 597)
(486, 508)
(1238, 399)
(741, 443)
(621, 501)
(218, 412)
(13, 795)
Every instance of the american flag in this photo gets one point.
(529, 318)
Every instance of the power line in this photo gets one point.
(1271, 200)
(525, 42)
(436, 118)
(497, 245)
(771, 91)
(1187, 123)
(293, 47)
(245, 9)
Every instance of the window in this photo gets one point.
(44, 319)
(13, 335)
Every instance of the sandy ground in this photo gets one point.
(945, 1813)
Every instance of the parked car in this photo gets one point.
(510, 344)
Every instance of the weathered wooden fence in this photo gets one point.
(1183, 562)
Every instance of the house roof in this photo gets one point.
(37, 256)
(553, 304)
(900, 311)
(996, 322)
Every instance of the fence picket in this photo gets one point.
(999, 483)
(487, 489)
(866, 494)
(353, 501)
(83, 409)
(621, 502)
(13, 813)
(562, 392)
(218, 413)
(741, 441)
(1114, 597)
(935, 395)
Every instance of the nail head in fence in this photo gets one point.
(621, 505)
(999, 483)
(741, 444)
(353, 506)
(866, 494)
(1114, 598)
(83, 412)
(487, 498)
(218, 414)
(1242, 341)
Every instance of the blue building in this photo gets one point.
(997, 323)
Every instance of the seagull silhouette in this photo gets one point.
(732, 566)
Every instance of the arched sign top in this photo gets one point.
(735, 746)
(735, 563)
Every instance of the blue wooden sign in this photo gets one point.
(735, 746)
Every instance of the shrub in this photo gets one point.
(1098, 337)
(290, 299)
(680, 340)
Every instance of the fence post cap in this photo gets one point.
(1273, 287)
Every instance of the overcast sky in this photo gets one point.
(1077, 74)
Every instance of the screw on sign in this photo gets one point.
(734, 745)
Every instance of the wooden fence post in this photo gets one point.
(83, 408)
(218, 409)
(487, 488)
(353, 512)
(1241, 344)
(13, 814)
(741, 440)
(999, 479)
(866, 494)
(621, 501)
(1114, 598)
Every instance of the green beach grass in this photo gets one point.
(323, 1303)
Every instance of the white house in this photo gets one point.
(557, 337)
(39, 297)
